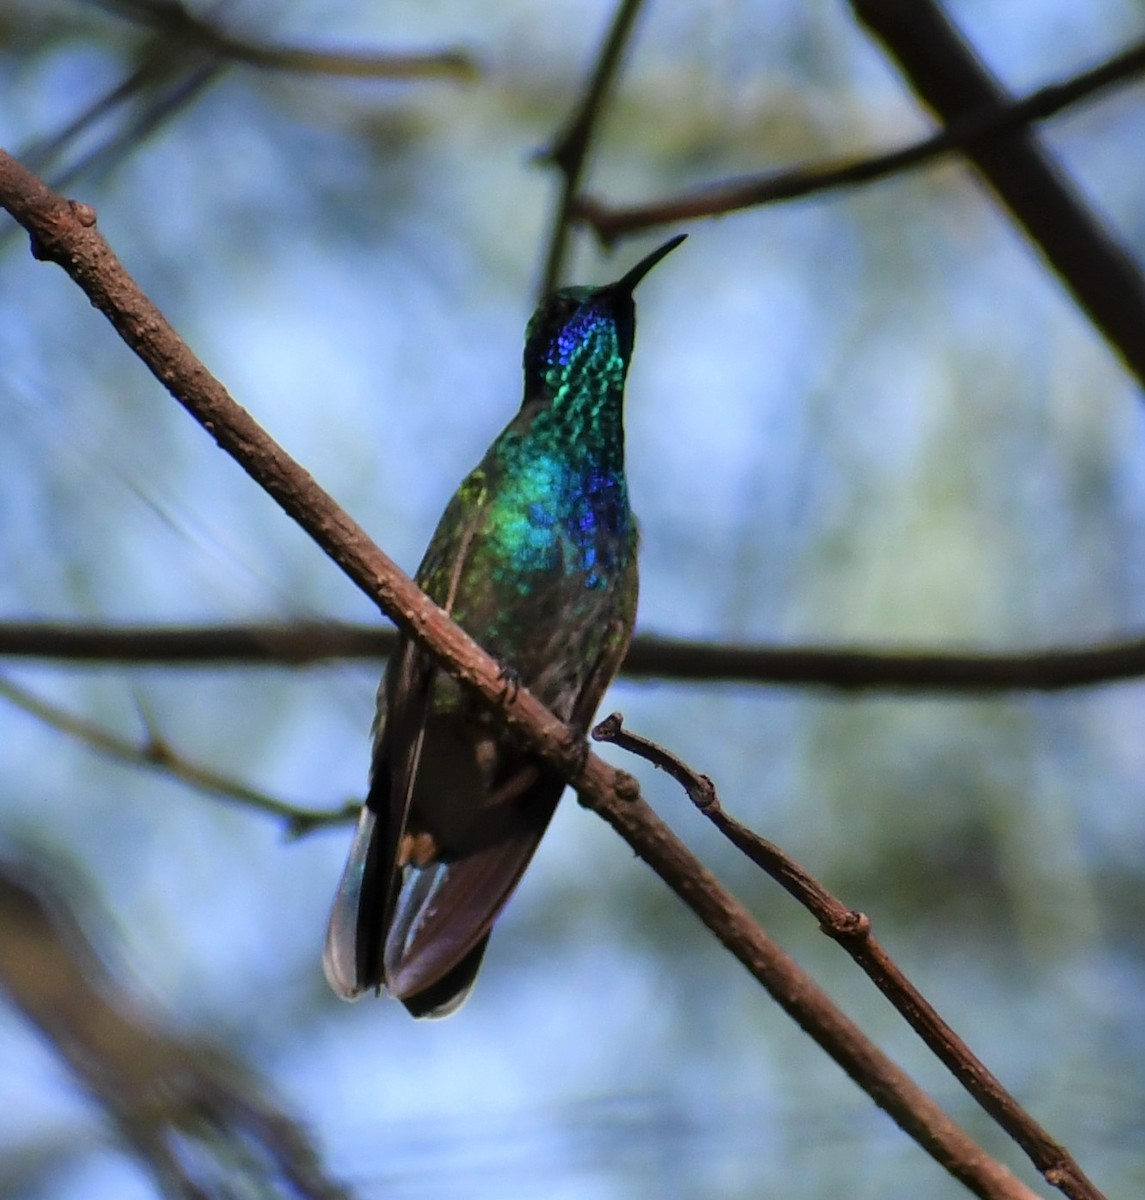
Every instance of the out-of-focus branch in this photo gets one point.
(182, 56)
(166, 101)
(157, 754)
(569, 150)
(193, 1115)
(157, 90)
(174, 22)
(613, 222)
(840, 668)
(153, 70)
(852, 930)
(64, 232)
(952, 81)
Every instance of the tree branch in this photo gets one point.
(185, 55)
(161, 1092)
(852, 931)
(64, 232)
(569, 150)
(611, 223)
(952, 81)
(176, 23)
(839, 668)
(157, 754)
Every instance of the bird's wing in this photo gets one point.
(436, 953)
(452, 905)
(369, 890)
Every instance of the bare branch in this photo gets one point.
(952, 81)
(840, 668)
(169, 99)
(610, 223)
(570, 148)
(158, 90)
(184, 56)
(176, 23)
(41, 153)
(64, 232)
(852, 930)
(155, 753)
(161, 1092)
(299, 643)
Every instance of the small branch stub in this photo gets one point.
(852, 930)
(700, 789)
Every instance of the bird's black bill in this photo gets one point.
(629, 281)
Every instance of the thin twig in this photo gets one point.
(176, 23)
(157, 754)
(64, 232)
(852, 930)
(569, 150)
(167, 102)
(40, 154)
(175, 78)
(839, 668)
(610, 223)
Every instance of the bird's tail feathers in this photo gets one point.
(340, 959)
(445, 911)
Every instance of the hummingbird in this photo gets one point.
(535, 558)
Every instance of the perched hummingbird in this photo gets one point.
(535, 557)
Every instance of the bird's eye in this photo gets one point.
(564, 313)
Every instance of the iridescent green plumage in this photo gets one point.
(535, 557)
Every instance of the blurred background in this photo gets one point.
(869, 417)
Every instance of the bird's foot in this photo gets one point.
(511, 679)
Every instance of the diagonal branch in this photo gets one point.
(184, 55)
(64, 232)
(169, 99)
(841, 668)
(611, 222)
(157, 754)
(165, 1095)
(952, 81)
(570, 148)
(40, 154)
(852, 930)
